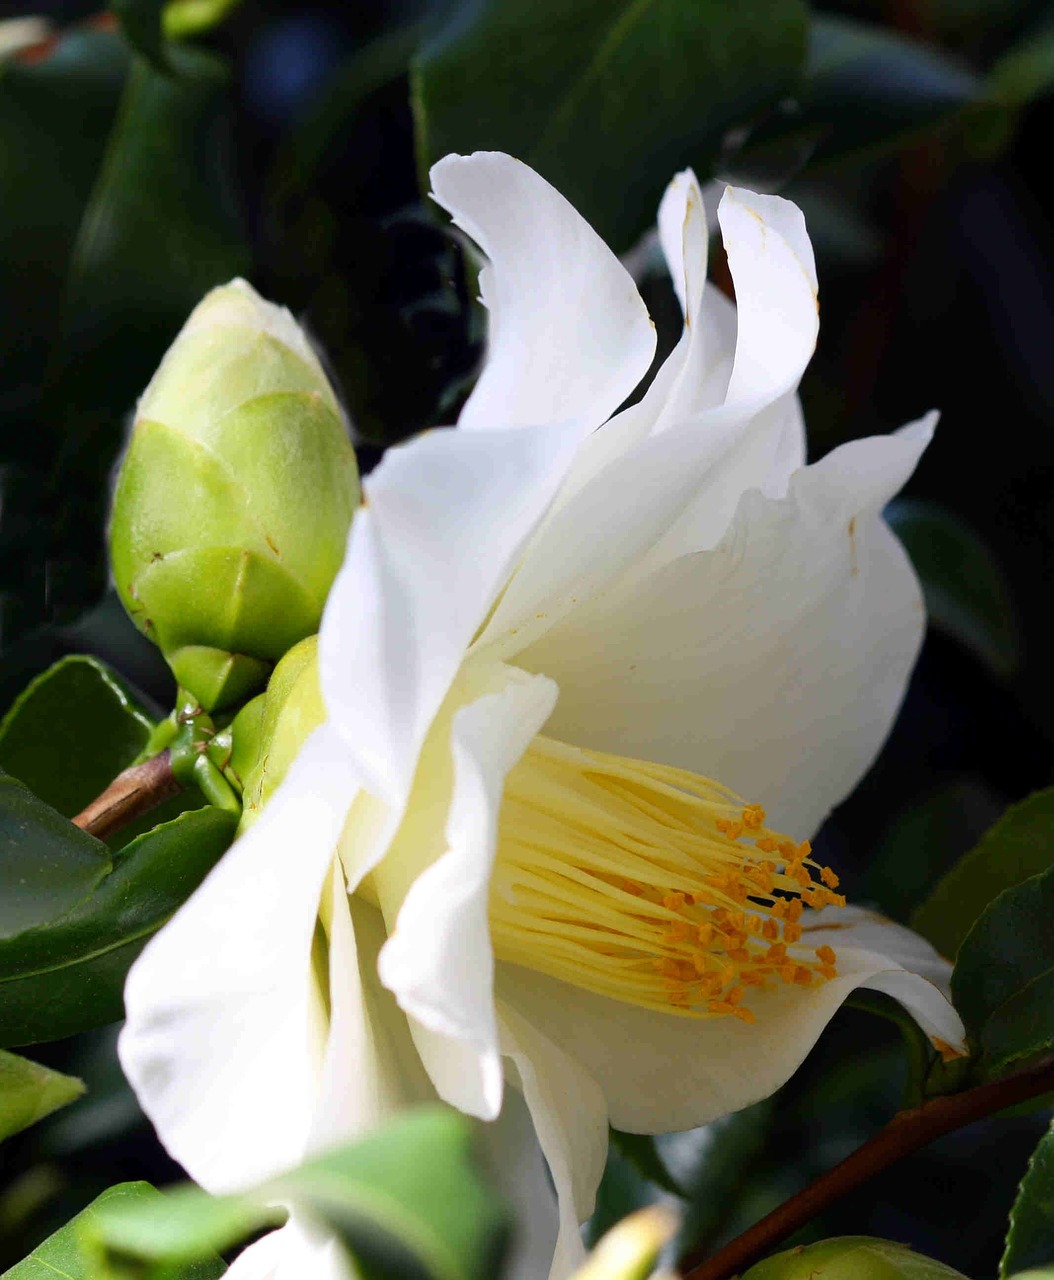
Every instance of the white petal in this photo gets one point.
(298, 1251)
(446, 516)
(772, 266)
(683, 236)
(569, 336)
(222, 1040)
(661, 1072)
(514, 1161)
(371, 1069)
(438, 961)
(664, 477)
(775, 663)
(570, 1118)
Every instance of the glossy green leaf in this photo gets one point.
(55, 116)
(68, 974)
(1003, 982)
(47, 865)
(605, 98)
(866, 90)
(966, 592)
(851, 1258)
(641, 1151)
(183, 18)
(1019, 845)
(141, 24)
(70, 1254)
(29, 1092)
(1030, 1236)
(71, 732)
(407, 1202)
(1026, 70)
(921, 845)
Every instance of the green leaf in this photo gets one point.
(851, 1258)
(406, 1201)
(922, 844)
(55, 115)
(1025, 71)
(866, 90)
(1003, 981)
(1019, 845)
(1030, 1236)
(641, 1151)
(47, 865)
(141, 24)
(605, 98)
(71, 732)
(69, 1253)
(67, 975)
(966, 592)
(183, 18)
(29, 1092)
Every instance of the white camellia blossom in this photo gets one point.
(582, 669)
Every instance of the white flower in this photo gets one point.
(439, 896)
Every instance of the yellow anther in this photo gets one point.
(789, 971)
(794, 910)
(791, 932)
(803, 976)
(753, 816)
(704, 933)
(829, 878)
(735, 995)
(744, 1015)
(766, 844)
(673, 901)
(827, 971)
(770, 929)
(676, 932)
(776, 954)
(826, 954)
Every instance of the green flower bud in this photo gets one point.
(233, 502)
(630, 1249)
(269, 731)
(851, 1258)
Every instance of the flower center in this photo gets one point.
(650, 885)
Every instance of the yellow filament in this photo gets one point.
(650, 885)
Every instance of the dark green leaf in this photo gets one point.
(640, 1150)
(1019, 845)
(605, 98)
(1030, 1237)
(1025, 71)
(867, 89)
(966, 592)
(54, 119)
(1003, 982)
(924, 842)
(71, 732)
(47, 865)
(29, 1092)
(141, 23)
(68, 975)
(407, 1202)
(69, 1253)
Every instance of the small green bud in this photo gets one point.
(234, 498)
(630, 1249)
(269, 731)
(851, 1258)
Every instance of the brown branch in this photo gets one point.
(905, 1133)
(131, 794)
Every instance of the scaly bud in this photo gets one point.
(851, 1258)
(234, 499)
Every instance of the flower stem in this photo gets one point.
(905, 1133)
(136, 791)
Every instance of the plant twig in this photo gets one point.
(131, 794)
(905, 1133)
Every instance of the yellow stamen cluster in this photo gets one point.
(651, 885)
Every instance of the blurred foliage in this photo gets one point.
(149, 154)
